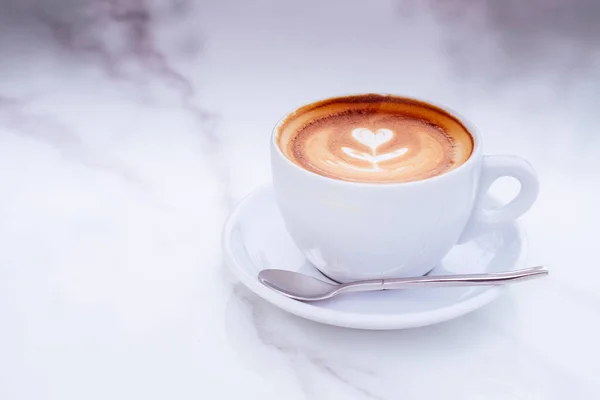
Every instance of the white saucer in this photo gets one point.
(255, 238)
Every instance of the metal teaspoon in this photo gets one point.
(303, 287)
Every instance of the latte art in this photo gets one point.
(374, 138)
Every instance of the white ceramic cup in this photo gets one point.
(360, 230)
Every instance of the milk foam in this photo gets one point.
(372, 140)
(381, 139)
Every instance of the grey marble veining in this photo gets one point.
(129, 130)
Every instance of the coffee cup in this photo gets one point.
(380, 186)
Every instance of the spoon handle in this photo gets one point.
(497, 278)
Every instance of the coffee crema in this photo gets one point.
(374, 138)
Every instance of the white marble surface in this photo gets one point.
(129, 129)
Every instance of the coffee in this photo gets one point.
(374, 138)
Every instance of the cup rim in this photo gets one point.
(475, 154)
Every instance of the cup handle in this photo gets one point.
(495, 167)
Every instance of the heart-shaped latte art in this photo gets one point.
(370, 139)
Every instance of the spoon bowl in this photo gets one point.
(296, 285)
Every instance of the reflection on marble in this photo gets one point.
(129, 129)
